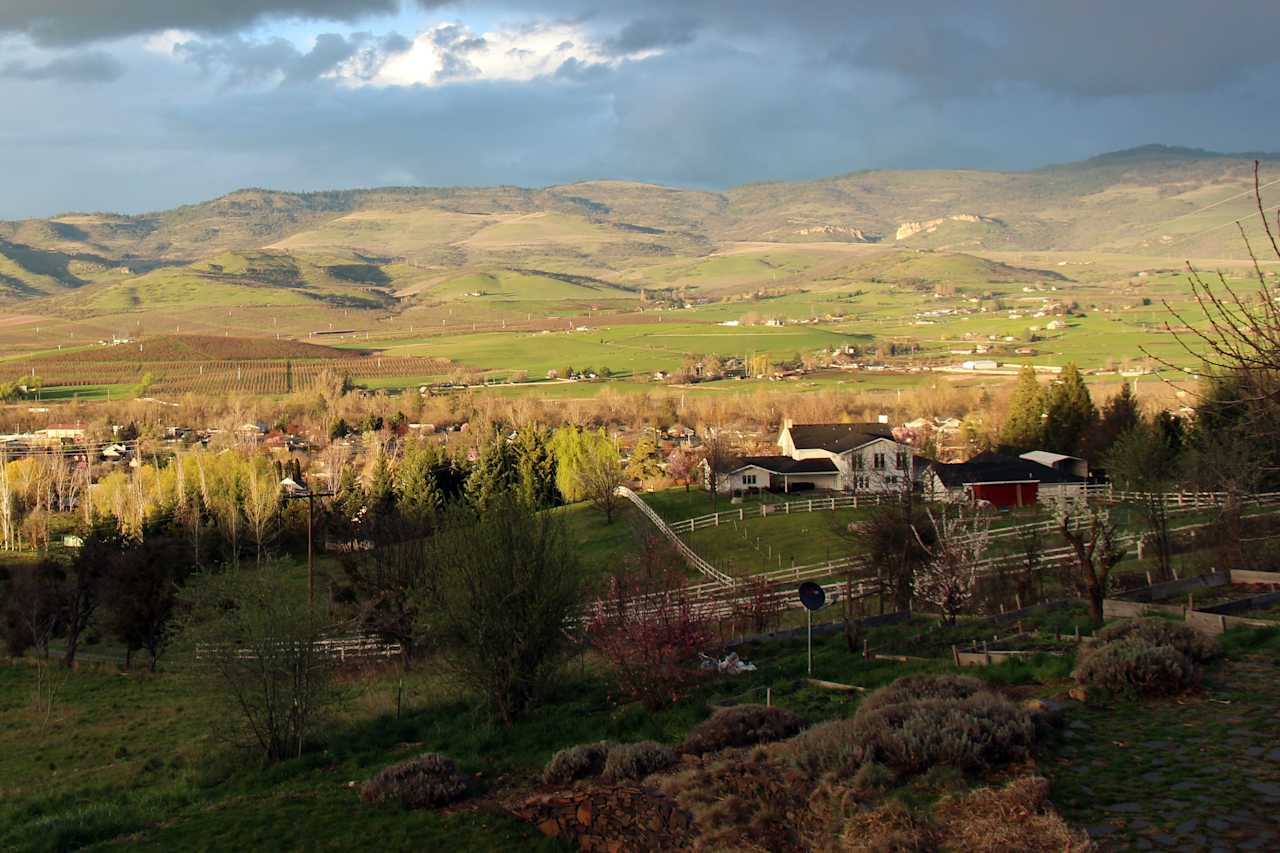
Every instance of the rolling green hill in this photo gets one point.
(488, 255)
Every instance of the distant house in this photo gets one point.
(1002, 481)
(57, 432)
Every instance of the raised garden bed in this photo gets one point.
(1212, 603)
(1014, 647)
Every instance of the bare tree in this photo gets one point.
(1240, 335)
(948, 579)
(717, 454)
(261, 504)
(1092, 536)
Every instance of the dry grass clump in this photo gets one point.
(1014, 819)
(1132, 665)
(1161, 632)
(576, 762)
(634, 761)
(741, 801)
(427, 781)
(744, 725)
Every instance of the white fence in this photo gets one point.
(360, 647)
(742, 513)
(722, 593)
(685, 551)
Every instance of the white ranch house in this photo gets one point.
(862, 457)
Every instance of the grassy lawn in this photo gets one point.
(133, 760)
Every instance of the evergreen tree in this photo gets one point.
(418, 489)
(535, 468)
(380, 496)
(494, 472)
(1023, 429)
(1070, 411)
(1118, 416)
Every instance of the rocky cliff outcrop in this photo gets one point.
(910, 229)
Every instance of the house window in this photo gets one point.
(862, 482)
(900, 462)
(892, 479)
(748, 479)
(859, 463)
(877, 461)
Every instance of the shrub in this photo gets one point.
(1132, 665)
(652, 635)
(576, 762)
(429, 780)
(925, 722)
(633, 761)
(1162, 632)
(911, 687)
(743, 725)
(829, 747)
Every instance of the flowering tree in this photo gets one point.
(681, 466)
(651, 634)
(948, 578)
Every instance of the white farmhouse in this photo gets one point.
(861, 457)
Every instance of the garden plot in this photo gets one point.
(1016, 647)
(1212, 603)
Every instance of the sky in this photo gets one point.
(136, 105)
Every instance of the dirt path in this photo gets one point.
(1196, 773)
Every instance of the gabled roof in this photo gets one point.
(783, 465)
(992, 467)
(837, 438)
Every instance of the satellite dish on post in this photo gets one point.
(812, 596)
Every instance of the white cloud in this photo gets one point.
(166, 43)
(448, 52)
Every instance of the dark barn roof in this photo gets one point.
(991, 467)
(838, 437)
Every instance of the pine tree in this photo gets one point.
(1023, 430)
(535, 468)
(380, 496)
(1120, 415)
(418, 490)
(494, 472)
(1070, 413)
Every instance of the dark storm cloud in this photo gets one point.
(1080, 48)
(248, 61)
(652, 33)
(53, 22)
(89, 67)
(690, 92)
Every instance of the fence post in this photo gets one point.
(740, 511)
(788, 506)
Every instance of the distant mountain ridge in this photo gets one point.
(1150, 200)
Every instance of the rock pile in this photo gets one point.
(609, 818)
